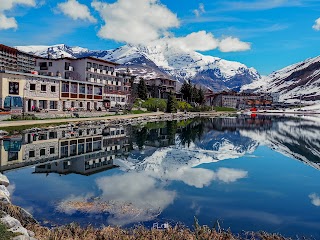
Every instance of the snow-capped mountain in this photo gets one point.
(300, 80)
(163, 59)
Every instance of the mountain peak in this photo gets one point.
(160, 58)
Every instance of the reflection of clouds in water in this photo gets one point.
(229, 175)
(315, 199)
(140, 191)
(180, 165)
(71, 204)
(11, 188)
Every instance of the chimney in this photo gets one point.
(62, 55)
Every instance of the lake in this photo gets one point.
(247, 173)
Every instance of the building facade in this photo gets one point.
(12, 59)
(88, 83)
(238, 100)
(160, 87)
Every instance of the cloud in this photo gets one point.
(205, 41)
(135, 21)
(259, 5)
(200, 10)
(76, 10)
(316, 26)
(315, 199)
(197, 41)
(7, 23)
(229, 175)
(148, 22)
(10, 22)
(231, 44)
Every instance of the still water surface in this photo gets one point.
(249, 174)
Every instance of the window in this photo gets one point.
(42, 104)
(42, 152)
(50, 64)
(31, 154)
(43, 88)
(53, 105)
(53, 135)
(64, 151)
(14, 88)
(53, 88)
(65, 87)
(82, 89)
(32, 87)
(52, 150)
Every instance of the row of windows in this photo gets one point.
(99, 66)
(43, 87)
(32, 153)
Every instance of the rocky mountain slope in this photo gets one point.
(162, 59)
(300, 80)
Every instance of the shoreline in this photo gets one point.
(159, 115)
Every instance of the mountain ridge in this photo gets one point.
(295, 83)
(162, 59)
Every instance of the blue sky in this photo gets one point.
(266, 35)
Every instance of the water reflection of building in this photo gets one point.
(83, 150)
(242, 122)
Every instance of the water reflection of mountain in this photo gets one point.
(297, 138)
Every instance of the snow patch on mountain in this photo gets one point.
(300, 81)
(173, 62)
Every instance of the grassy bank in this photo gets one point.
(75, 232)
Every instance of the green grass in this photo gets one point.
(137, 112)
(224, 109)
(5, 234)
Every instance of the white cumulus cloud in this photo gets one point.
(229, 175)
(315, 199)
(5, 5)
(76, 10)
(232, 44)
(316, 26)
(197, 41)
(148, 22)
(135, 21)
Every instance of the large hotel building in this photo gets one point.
(45, 84)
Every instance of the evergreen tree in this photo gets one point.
(142, 89)
(171, 104)
(195, 94)
(186, 91)
(201, 97)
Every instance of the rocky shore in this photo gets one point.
(9, 214)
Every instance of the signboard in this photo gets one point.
(16, 111)
(13, 88)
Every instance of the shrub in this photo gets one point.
(183, 106)
(152, 104)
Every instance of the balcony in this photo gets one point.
(104, 72)
(69, 68)
(98, 70)
(91, 79)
